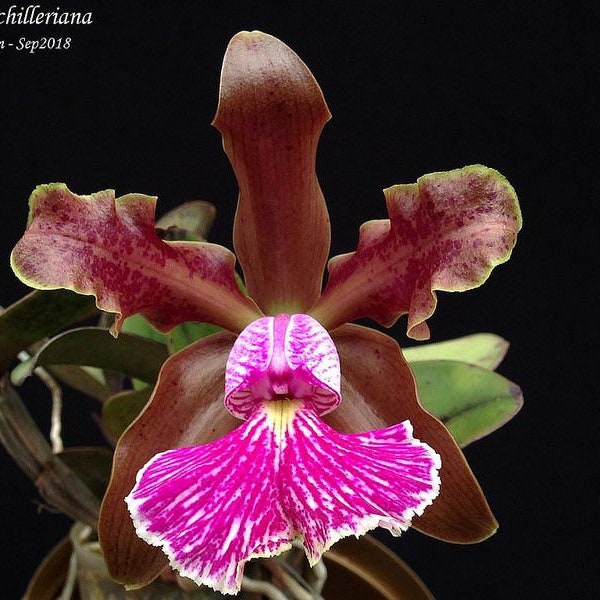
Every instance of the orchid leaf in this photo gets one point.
(470, 400)
(482, 349)
(139, 325)
(95, 347)
(92, 466)
(107, 247)
(37, 315)
(445, 232)
(120, 410)
(88, 380)
(179, 337)
(271, 113)
(185, 334)
(190, 221)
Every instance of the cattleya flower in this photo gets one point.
(325, 445)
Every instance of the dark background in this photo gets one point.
(414, 87)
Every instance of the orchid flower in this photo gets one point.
(325, 448)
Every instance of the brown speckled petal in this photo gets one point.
(108, 247)
(445, 232)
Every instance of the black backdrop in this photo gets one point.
(414, 87)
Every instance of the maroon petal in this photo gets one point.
(446, 232)
(185, 409)
(378, 390)
(271, 113)
(108, 247)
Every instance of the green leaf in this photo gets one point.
(185, 334)
(470, 400)
(91, 464)
(95, 347)
(139, 325)
(483, 349)
(120, 410)
(88, 380)
(178, 338)
(190, 221)
(37, 315)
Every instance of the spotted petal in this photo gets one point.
(446, 232)
(286, 355)
(282, 474)
(108, 247)
(271, 113)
